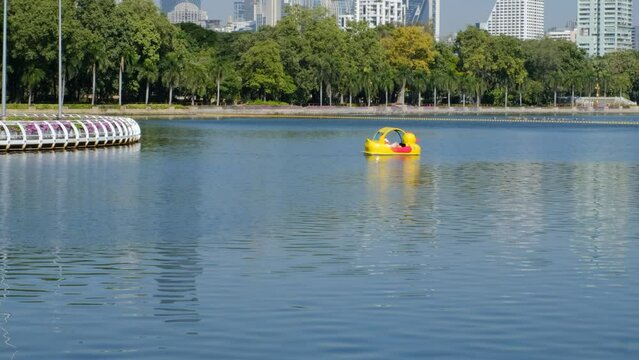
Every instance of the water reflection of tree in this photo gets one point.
(5, 313)
(501, 204)
(45, 234)
(166, 135)
(517, 215)
(176, 239)
(604, 198)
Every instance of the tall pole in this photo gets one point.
(60, 89)
(4, 62)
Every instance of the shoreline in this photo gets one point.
(333, 111)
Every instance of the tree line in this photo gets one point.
(130, 53)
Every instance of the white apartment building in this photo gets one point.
(567, 34)
(380, 12)
(604, 26)
(187, 12)
(523, 19)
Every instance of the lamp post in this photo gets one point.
(4, 62)
(60, 89)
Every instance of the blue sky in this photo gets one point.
(456, 14)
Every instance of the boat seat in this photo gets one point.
(402, 149)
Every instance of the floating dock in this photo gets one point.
(22, 132)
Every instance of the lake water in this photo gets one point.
(278, 239)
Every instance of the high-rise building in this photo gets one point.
(523, 19)
(304, 3)
(345, 12)
(238, 11)
(249, 10)
(380, 12)
(424, 12)
(271, 11)
(635, 38)
(169, 5)
(604, 26)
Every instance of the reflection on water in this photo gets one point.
(294, 245)
(604, 209)
(401, 189)
(387, 171)
(8, 348)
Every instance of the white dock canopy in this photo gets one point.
(44, 131)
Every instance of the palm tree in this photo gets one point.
(172, 70)
(419, 81)
(196, 77)
(368, 83)
(31, 78)
(438, 79)
(451, 83)
(354, 87)
(100, 61)
(128, 56)
(218, 70)
(149, 72)
(555, 81)
(323, 74)
(386, 80)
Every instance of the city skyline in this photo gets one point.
(455, 14)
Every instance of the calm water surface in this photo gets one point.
(278, 239)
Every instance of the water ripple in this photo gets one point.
(508, 242)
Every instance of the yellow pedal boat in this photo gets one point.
(392, 141)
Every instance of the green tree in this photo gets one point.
(291, 34)
(32, 39)
(148, 72)
(199, 37)
(196, 76)
(98, 17)
(472, 47)
(148, 37)
(445, 70)
(172, 70)
(220, 69)
(507, 63)
(364, 64)
(172, 64)
(387, 78)
(554, 63)
(32, 77)
(621, 67)
(327, 45)
(410, 50)
(263, 72)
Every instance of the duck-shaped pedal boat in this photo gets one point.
(392, 141)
